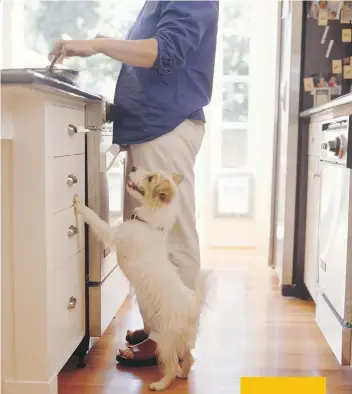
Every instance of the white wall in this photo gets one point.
(253, 231)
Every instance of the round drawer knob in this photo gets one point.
(72, 230)
(72, 302)
(311, 139)
(71, 129)
(71, 180)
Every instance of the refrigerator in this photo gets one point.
(304, 53)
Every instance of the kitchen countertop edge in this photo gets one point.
(343, 100)
(30, 77)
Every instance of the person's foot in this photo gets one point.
(136, 337)
(141, 355)
(144, 350)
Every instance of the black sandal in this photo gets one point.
(137, 337)
(138, 359)
(135, 362)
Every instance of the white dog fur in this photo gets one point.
(173, 310)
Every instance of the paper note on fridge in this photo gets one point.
(346, 35)
(308, 84)
(337, 66)
(347, 68)
(323, 17)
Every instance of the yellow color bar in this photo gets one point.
(265, 385)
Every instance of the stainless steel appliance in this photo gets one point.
(335, 230)
(301, 55)
(105, 173)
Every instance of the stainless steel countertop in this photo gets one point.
(343, 100)
(30, 77)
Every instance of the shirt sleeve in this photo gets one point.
(181, 27)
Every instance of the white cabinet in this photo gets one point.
(314, 138)
(311, 263)
(311, 267)
(44, 316)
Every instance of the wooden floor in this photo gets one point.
(251, 331)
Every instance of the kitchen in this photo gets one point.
(303, 161)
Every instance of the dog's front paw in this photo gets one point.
(76, 203)
(157, 386)
(182, 375)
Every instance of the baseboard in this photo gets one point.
(29, 387)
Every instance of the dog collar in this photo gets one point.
(134, 216)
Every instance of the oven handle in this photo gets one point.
(115, 150)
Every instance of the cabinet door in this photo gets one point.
(311, 268)
(315, 132)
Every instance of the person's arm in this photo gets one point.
(140, 53)
(181, 27)
(146, 50)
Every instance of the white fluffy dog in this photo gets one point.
(173, 310)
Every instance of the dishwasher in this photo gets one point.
(334, 305)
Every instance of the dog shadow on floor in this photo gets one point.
(147, 375)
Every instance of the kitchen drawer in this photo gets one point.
(314, 141)
(68, 180)
(66, 309)
(105, 299)
(64, 245)
(57, 122)
(337, 336)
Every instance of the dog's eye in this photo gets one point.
(150, 178)
(162, 196)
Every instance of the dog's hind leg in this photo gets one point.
(186, 365)
(168, 362)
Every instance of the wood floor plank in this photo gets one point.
(250, 331)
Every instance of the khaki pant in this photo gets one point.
(175, 152)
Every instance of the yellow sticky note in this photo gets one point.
(316, 385)
(308, 84)
(346, 35)
(323, 17)
(347, 72)
(337, 66)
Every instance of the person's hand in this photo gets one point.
(69, 48)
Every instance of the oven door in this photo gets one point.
(333, 235)
(107, 286)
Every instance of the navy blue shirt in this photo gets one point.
(153, 101)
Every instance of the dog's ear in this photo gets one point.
(164, 192)
(178, 178)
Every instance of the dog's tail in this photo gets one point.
(202, 287)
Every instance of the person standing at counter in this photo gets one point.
(165, 82)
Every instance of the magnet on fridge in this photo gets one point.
(323, 17)
(308, 84)
(331, 43)
(323, 38)
(337, 66)
(346, 35)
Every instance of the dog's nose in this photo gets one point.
(133, 169)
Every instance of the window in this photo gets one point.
(48, 21)
(234, 148)
(236, 45)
